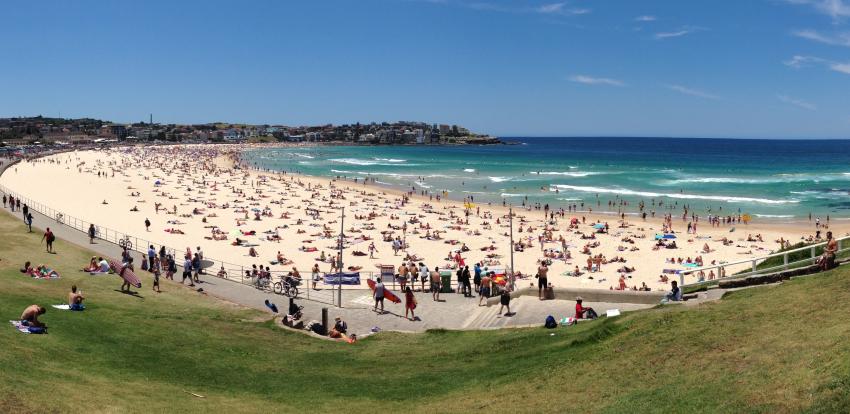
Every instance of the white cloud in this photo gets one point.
(551, 8)
(681, 32)
(559, 9)
(797, 102)
(798, 62)
(840, 39)
(692, 92)
(588, 80)
(840, 67)
(837, 9)
(645, 18)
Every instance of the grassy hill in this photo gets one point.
(773, 349)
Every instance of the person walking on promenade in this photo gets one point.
(92, 232)
(379, 295)
(409, 303)
(29, 221)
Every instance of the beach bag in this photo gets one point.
(591, 314)
(550, 322)
(50, 238)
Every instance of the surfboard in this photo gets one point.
(390, 296)
(128, 276)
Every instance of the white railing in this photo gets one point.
(752, 264)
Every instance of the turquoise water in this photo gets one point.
(772, 179)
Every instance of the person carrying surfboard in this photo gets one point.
(124, 268)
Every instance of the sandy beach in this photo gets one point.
(194, 196)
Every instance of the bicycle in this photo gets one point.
(286, 287)
(60, 218)
(125, 243)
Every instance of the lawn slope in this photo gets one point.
(782, 348)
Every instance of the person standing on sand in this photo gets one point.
(147, 225)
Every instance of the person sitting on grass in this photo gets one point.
(103, 265)
(93, 265)
(75, 299)
(339, 330)
(27, 269)
(30, 316)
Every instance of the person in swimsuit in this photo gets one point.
(30, 316)
(542, 280)
(75, 299)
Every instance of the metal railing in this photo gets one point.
(750, 267)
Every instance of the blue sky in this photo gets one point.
(722, 68)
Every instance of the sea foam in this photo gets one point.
(624, 191)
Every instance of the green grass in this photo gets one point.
(774, 349)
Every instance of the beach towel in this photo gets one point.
(62, 307)
(27, 329)
(20, 327)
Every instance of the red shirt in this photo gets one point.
(579, 311)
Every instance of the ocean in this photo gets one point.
(768, 179)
